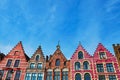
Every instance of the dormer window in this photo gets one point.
(80, 55)
(102, 55)
(37, 58)
(57, 62)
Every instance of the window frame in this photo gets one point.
(112, 77)
(39, 67)
(49, 75)
(16, 64)
(77, 66)
(31, 66)
(1, 73)
(86, 66)
(88, 74)
(101, 76)
(78, 77)
(37, 58)
(100, 67)
(80, 55)
(64, 75)
(57, 62)
(9, 62)
(110, 67)
(102, 55)
(17, 75)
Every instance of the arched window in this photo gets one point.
(87, 76)
(77, 66)
(86, 65)
(80, 55)
(78, 77)
(37, 58)
(57, 62)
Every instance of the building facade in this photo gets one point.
(36, 66)
(13, 66)
(116, 48)
(105, 65)
(81, 65)
(57, 66)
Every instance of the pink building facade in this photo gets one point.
(101, 66)
(81, 65)
(105, 64)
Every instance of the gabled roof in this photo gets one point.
(59, 53)
(101, 48)
(20, 48)
(81, 48)
(38, 51)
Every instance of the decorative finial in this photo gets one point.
(58, 46)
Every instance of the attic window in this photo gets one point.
(102, 55)
(57, 62)
(16, 53)
(80, 55)
(37, 58)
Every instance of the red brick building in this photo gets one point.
(57, 66)
(13, 66)
(36, 66)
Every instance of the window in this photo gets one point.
(32, 65)
(65, 75)
(112, 77)
(86, 65)
(28, 76)
(34, 76)
(77, 66)
(9, 63)
(39, 66)
(110, 67)
(80, 55)
(57, 75)
(102, 55)
(16, 63)
(1, 74)
(57, 62)
(9, 75)
(17, 75)
(100, 68)
(37, 58)
(87, 76)
(49, 75)
(40, 76)
(101, 77)
(78, 77)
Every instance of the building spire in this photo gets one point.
(58, 46)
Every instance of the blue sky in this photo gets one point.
(45, 22)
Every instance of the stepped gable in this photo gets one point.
(81, 48)
(101, 48)
(58, 52)
(38, 51)
(19, 51)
